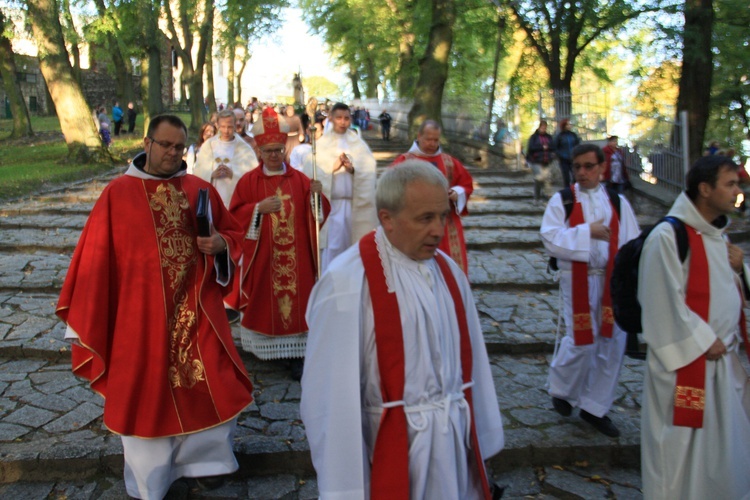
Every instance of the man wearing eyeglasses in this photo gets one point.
(583, 227)
(346, 169)
(274, 206)
(142, 301)
(226, 157)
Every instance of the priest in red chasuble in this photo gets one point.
(427, 148)
(274, 204)
(142, 301)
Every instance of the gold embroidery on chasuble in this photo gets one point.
(691, 398)
(179, 253)
(454, 242)
(608, 316)
(284, 257)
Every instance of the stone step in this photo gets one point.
(52, 428)
(488, 239)
(513, 322)
(509, 269)
(576, 481)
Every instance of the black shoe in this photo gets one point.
(233, 316)
(562, 407)
(601, 424)
(209, 483)
(297, 365)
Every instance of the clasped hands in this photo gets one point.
(345, 162)
(222, 172)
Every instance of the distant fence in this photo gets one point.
(656, 147)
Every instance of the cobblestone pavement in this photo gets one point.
(53, 443)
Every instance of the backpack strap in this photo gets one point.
(614, 198)
(681, 234)
(568, 201)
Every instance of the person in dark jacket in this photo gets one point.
(564, 142)
(540, 151)
(131, 117)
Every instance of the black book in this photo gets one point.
(204, 228)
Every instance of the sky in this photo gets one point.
(276, 59)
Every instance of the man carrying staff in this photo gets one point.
(346, 169)
(274, 206)
(427, 148)
(398, 399)
(142, 301)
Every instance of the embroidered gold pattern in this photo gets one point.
(691, 398)
(608, 317)
(176, 241)
(582, 321)
(454, 243)
(284, 257)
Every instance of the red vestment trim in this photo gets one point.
(390, 465)
(689, 394)
(583, 333)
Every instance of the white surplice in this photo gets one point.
(683, 462)
(352, 197)
(341, 396)
(585, 376)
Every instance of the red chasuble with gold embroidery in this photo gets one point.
(279, 264)
(453, 242)
(146, 306)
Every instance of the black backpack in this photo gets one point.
(566, 194)
(624, 283)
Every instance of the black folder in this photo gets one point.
(204, 227)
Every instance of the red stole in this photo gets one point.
(689, 392)
(582, 330)
(390, 464)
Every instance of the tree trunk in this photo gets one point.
(371, 84)
(72, 40)
(239, 78)
(496, 65)
(151, 84)
(697, 70)
(123, 77)
(21, 120)
(354, 78)
(76, 120)
(232, 50)
(210, 92)
(433, 68)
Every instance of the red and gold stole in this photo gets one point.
(390, 462)
(582, 330)
(689, 392)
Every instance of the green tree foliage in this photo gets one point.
(76, 120)
(729, 120)
(242, 23)
(560, 31)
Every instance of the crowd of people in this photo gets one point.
(359, 287)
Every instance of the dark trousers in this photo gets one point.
(567, 172)
(131, 127)
(118, 126)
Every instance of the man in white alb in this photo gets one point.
(398, 399)
(584, 232)
(224, 158)
(346, 168)
(695, 421)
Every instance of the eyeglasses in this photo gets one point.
(178, 148)
(269, 152)
(586, 166)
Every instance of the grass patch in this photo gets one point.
(31, 164)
